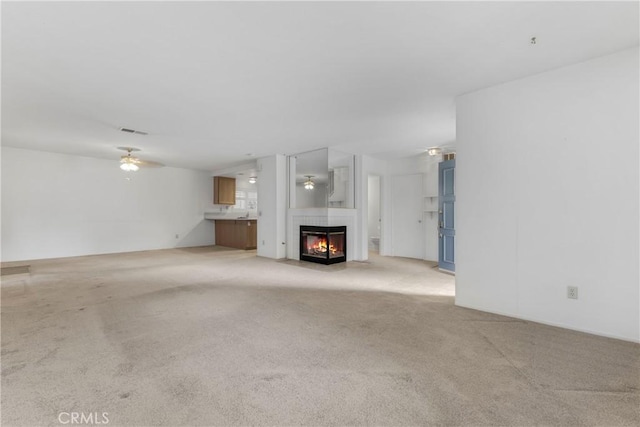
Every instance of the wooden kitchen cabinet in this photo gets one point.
(224, 190)
(238, 233)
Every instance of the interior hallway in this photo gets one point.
(209, 336)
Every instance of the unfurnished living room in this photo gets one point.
(320, 213)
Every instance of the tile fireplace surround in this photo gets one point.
(322, 217)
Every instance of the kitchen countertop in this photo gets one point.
(217, 217)
(234, 219)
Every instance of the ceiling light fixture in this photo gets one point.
(252, 179)
(128, 163)
(434, 151)
(131, 163)
(129, 167)
(308, 184)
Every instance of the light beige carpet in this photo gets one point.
(209, 336)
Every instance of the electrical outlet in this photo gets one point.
(572, 292)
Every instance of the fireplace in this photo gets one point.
(324, 245)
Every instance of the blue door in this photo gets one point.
(446, 217)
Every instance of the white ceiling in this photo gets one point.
(213, 81)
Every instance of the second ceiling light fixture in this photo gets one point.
(308, 184)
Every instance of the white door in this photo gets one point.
(406, 216)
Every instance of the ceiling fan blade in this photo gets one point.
(148, 164)
(129, 159)
(128, 149)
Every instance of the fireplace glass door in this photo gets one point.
(326, 245)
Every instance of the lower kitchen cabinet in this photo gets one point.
(237, 233)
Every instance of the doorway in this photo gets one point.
(374, 221)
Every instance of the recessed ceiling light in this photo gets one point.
(252, 180)
(434, 151)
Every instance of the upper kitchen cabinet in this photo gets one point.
(224, 190)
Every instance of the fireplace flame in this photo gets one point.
(321, 247)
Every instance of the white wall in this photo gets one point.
(56, 205)
(272, 211)
(547, 196)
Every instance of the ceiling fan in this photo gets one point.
(131, 163)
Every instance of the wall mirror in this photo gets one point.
(320, 179)
(340, 188)
(308, 175)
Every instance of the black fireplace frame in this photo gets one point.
(327, 231)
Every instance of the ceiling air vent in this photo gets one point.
(137, 132)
